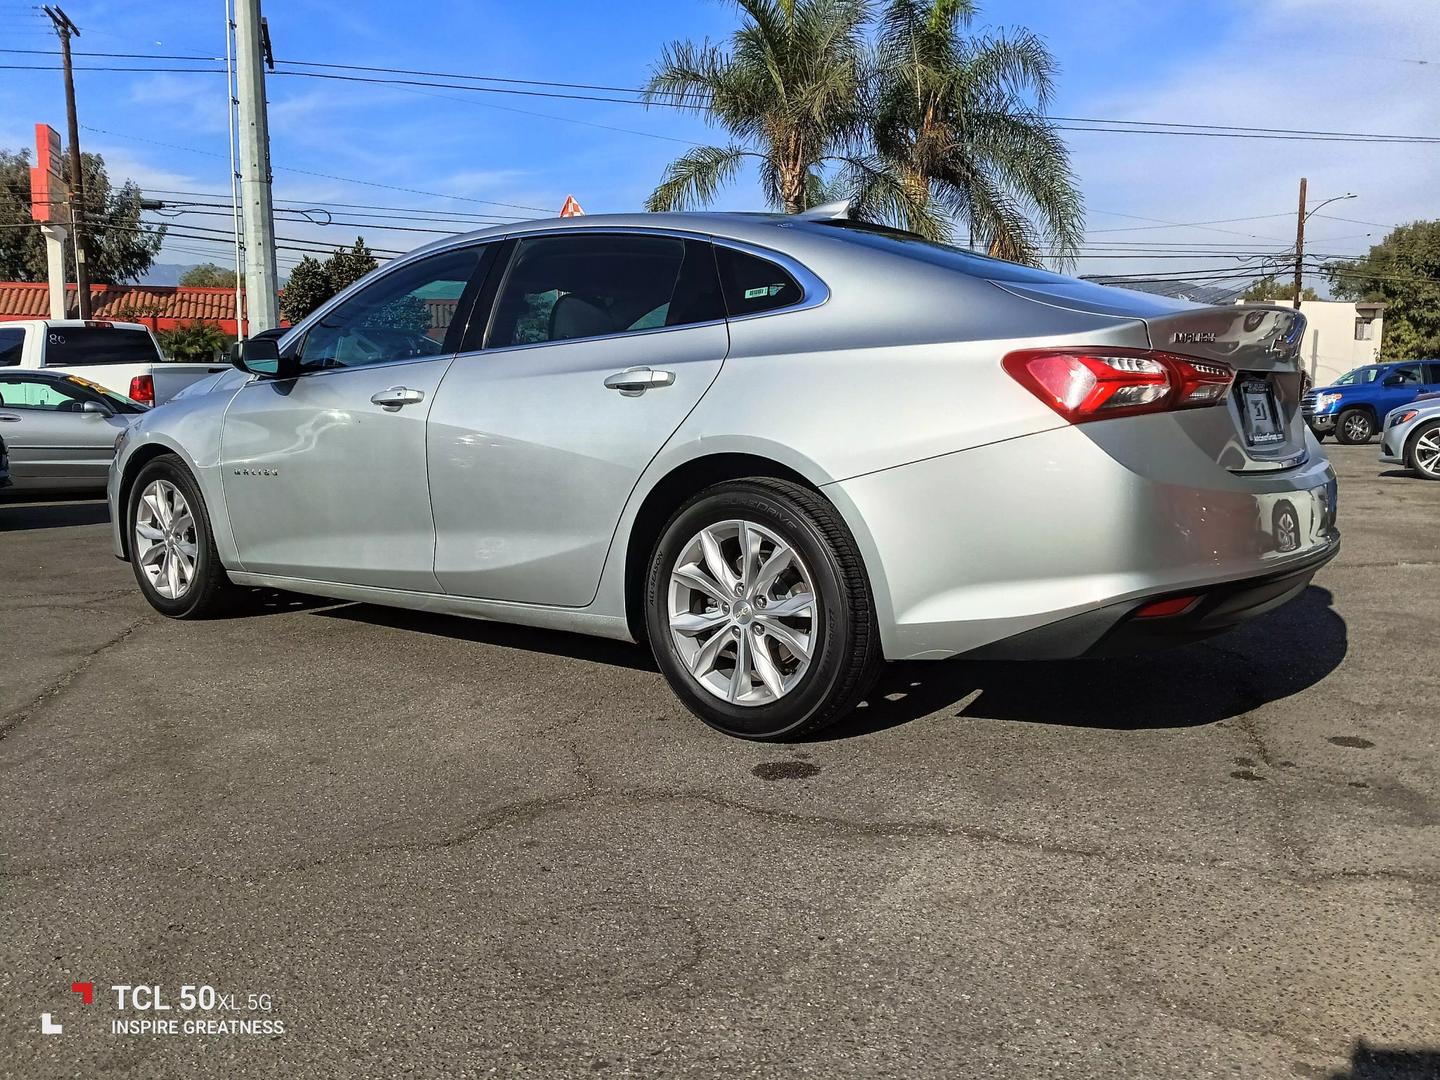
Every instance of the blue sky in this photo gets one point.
(1286, 63)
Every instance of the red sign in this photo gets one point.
(571, 207)
(48, 189)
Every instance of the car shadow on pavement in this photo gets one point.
(19, 513)
(505, 635)
(1381, 1063)
(1274, 657)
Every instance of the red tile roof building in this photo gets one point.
(160, 307)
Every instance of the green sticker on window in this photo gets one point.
(763, 290)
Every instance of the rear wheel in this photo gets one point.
(1423, 454)
(172, 547)
(1354, 426)
(759, 611)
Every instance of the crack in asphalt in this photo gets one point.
(59, 685)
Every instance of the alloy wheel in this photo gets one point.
(743, 613)
(166, 547)
(1357, 428)
(1427, 452)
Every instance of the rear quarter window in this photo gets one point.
(12, 341)
(752, 285)
(70, 346)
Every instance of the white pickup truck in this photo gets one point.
(121, 356)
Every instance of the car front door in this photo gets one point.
(598, 346)
(52, 439)
(324, 474)
(1400, 386)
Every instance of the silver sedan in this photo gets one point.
(1411, 437)
(780, 450)
(60, 429)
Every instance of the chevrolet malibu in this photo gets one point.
(779, 449)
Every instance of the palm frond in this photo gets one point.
(696, 177)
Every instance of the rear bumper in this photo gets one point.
(999, 543)
(1117, 630)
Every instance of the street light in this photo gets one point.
(1303, 217)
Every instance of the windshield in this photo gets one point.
(72, 346)
(117, 400)
(1359, 376)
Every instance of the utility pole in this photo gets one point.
(66, 29)
(1300, 246)
(256, 196)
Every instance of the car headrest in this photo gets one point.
(573, 317)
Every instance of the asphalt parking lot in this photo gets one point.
(450, 848)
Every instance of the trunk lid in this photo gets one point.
(1260, 428)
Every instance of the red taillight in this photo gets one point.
(1163, 609)
(1094, 384)
(142, 389)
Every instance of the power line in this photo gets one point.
(1064, 123)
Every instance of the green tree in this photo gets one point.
(926, 129)
(195, 342)
(960, 121)
(120, 247)
(208, 275)
(312, 282)
(1403, 273)
(790, 91)
(1272, 289)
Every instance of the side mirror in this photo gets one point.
(98, 408)
(261, 356)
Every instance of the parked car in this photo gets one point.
(60, 429)
(5, 480)
(1412, 436)
(1352, 407)
(780, 449)
(120, 355)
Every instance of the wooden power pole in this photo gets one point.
(66, 29)
(1300, 246)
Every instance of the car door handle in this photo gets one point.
(7, 418)
(397, 396)
(632, 382)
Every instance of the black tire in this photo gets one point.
(1412, 459)
(845, 654)
(209, 592)
(1354, 427)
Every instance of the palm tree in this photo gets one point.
(791, 91)
(960, 122)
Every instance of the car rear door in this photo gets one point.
(324, 474)
(599, 345)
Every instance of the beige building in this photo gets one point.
(1339, 335)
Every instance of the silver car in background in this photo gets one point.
(1411, 437)
(779, 449)
(60, 429)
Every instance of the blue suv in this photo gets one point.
(1353, 407)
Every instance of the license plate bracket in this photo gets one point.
(1259, 414)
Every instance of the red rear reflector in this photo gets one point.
(1095, 384)
(1161, 609)
(142, 389)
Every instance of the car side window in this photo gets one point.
(39, 394)
(1408, 375)
(1432, 372)
(416, 311)
(752, 284)
(561, 288)
(12, 341)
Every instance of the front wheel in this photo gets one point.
(759, 611)
(1354, 426)
(1423, 455)
(172, 546)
